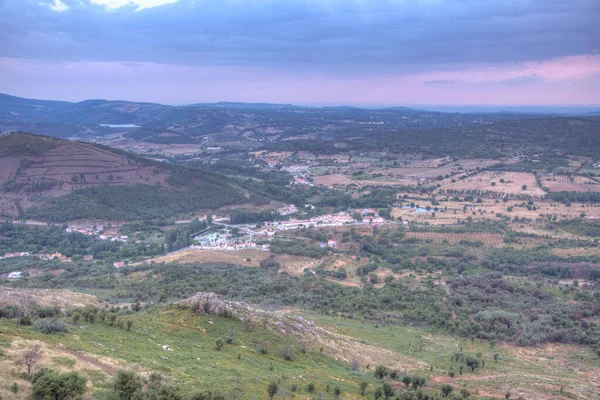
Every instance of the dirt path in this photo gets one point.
(87, 359)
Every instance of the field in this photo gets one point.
(411, 173)
(46, 297)
(488, 239)
(490, 181)
(294, 265)
(495, 210)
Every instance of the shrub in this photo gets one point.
(49, 326)
(288, 353)
(48, 384)
(126, 384)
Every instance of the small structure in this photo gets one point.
(119, 264)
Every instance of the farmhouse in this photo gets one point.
(119, 264)
(287, 210)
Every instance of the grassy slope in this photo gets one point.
(195, 364)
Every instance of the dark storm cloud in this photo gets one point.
(336, 35)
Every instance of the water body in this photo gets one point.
(120, 126)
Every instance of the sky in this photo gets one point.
(361, 52)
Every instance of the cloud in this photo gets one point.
(332, 36)
(338, 49)
(439, 82)
(522, 80)
(141, 4)
(54, 5)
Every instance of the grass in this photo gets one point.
(194, 363)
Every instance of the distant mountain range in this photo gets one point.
(190, 124)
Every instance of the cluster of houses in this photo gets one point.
(338, 219)
(300, 174)
(596, 165)
(53, 256)
(287, 210)
(86, 230)
(12, 275)
(224, 240)
(17, 254)
(96, 231)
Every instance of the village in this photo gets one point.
(251, 236)
(96, 231)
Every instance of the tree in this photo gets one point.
(363, 388)
(337, 391)
(524, 187)
(446, 390)
(378, 393)
(406, 380)
(219, 344)
(126, 384)
(51, 385)
(129, 324)
(388, 390)
(111, 317)
(507, 395)
(272, 390)
(472, 363)
(76, 317)
(30, 358)
(381, 371)
(496, 357)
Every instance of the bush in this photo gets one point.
(48, 384)
(50, 326)
(288, 353)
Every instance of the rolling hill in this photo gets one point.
(58, 180)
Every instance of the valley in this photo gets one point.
(324, 252)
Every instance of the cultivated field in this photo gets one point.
(488, 239)
(484, 181)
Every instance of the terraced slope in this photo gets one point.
(37, 172)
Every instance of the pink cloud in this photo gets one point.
(571, 80)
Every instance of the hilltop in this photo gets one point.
(59, 180)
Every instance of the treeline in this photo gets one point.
(137, 202)
(575, 197)
(270, 184)
(579, 226)
(181, 237)
(37, 240)
(297, 248)
(485, 306)
(253, 217)
(495, 309)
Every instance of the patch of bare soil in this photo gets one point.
(46, 297)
